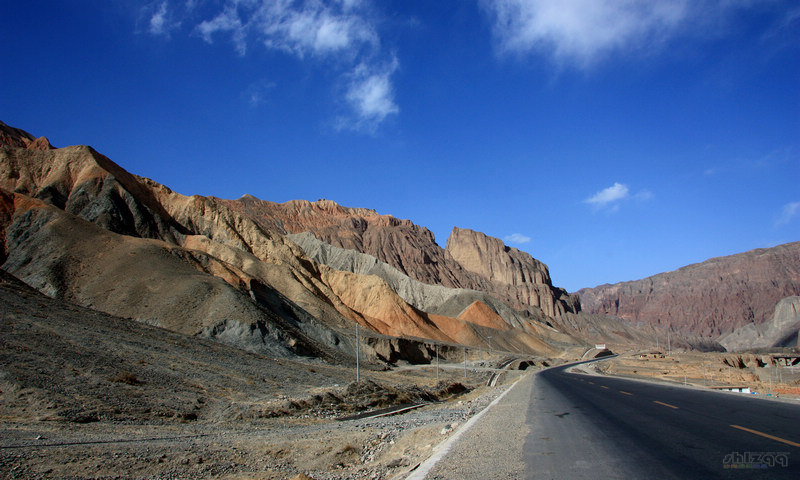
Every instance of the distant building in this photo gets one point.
(733, 389)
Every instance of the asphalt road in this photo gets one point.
(587, 426)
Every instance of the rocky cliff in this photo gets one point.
(512, 274)
(711, 298)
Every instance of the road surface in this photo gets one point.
(573, 425)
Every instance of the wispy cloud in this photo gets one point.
(788, 214)
(159, 23)
(644, 195)
(311, 27)
(611, 198)
(584, 32)
(341, 33)
(608, 196)
(256, 93)
(517, 238)
(226, 21)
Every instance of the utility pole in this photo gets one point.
(357, 362)
(437, 363)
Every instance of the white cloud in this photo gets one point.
(609, 196)
(583, 32)
(311, 27)
(516, 238)
(612, 197)
(789, 212)
(371, 96)
(342, 32)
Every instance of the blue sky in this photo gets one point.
(612, 140)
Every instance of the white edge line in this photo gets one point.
(444, 447)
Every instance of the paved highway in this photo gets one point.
(560, 425)
(587, 426)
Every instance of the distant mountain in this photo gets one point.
(712, 298)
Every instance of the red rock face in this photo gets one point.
(710, 298)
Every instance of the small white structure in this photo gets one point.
(733, 389)
(600, 346)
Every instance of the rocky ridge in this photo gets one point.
(711, 298)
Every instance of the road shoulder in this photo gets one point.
(491, 446)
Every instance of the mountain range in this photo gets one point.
(295, 278)
(713, 299)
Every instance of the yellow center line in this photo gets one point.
(779, 439)
(625, 393)
(603, 386)
(665, 404)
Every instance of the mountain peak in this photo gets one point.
(18, 138)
